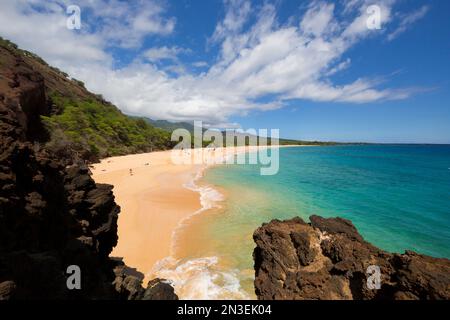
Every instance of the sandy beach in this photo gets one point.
(154, 198)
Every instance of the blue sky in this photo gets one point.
(419, 57)
(310, 68)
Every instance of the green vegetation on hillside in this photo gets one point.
(286, 142)
(82, 123)
(96, 129)
(171, 126)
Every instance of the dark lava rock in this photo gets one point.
(52, 215)
(128, 283)
(329, 259)
(159, 289)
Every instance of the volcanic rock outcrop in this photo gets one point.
(329, 259)
(52, 215)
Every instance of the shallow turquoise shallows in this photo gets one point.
(398, 196)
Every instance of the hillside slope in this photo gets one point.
(171, 126)
(78, 121)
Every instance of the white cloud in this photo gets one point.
(261, 63)
(318, 19)
(41, 27)
(360, 91)
(45, 32)
(237, 14)
(341, 66)
(200, 64)
(163, 53)
(126, 23)
(407, 20)
(358, 29)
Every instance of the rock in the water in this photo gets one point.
(159, 289)
(329, 259)
(127, 285)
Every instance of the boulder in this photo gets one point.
(328, 259)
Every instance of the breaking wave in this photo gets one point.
(200, 279)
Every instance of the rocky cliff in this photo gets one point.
(52, 215)
(329, 259)
(77, 122)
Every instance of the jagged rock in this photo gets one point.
(336, 226)
(51, 215)
(159, 289)
(329, 259)
(6, 289)
(127, 285)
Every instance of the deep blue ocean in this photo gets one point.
(398, 196)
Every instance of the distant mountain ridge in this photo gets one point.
(171, 126)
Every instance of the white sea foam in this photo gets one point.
(209, 198)
(200, 279)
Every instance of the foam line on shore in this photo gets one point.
(200, 279)
(157, 198)
(209, 198)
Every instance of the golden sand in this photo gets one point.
(151, 191)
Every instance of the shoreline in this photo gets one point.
(153, 200)
(209, 198)
(157, 198)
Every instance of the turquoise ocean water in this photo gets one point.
(398, 196)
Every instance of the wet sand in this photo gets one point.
(154, 199)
